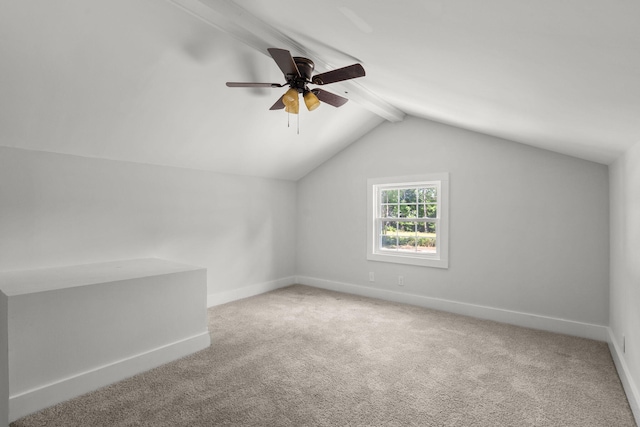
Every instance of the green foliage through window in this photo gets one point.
(408, 218)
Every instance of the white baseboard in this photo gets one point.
(248, 291)
(630, 387)
(50, 394)
(527, 320)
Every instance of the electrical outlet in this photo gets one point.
(400, 280)
(372, 277)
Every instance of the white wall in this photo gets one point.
(58, 210)
(624, 318)
(528, 227)
(4, 360)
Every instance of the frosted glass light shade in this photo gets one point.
(290, 97)
(293, 108)
(311, 101)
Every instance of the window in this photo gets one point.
(408, 220)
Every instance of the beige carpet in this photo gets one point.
(301, 356)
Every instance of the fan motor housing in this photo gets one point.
(305, 67)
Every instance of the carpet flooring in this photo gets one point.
(301, 356)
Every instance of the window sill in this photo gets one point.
(409, 259)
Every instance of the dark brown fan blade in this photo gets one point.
(285, 61)
(241, 84)
(345, 73)
(330, 98)
(279, 105)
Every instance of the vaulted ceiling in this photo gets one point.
(144, 80)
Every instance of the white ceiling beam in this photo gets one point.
(230, 18)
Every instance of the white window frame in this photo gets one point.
(438, 259)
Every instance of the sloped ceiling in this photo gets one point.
(144, 80)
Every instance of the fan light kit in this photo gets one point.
(297, 73)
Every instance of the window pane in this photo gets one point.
(389, 227)
(408, 211)
(406, 227)
(407, 237)
(408, 195)
(421, 195)
(389, 211)
(389, 196)
(388, 243)
(388, 235)
(427, 240)
(427, 210)
(428, 194)
(431, 211)
(427, 204)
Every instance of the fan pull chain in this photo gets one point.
(298, 122)
(289, 122)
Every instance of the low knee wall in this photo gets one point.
(74, 329)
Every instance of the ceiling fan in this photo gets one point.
(297, 73)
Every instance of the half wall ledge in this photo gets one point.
(71, 330)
